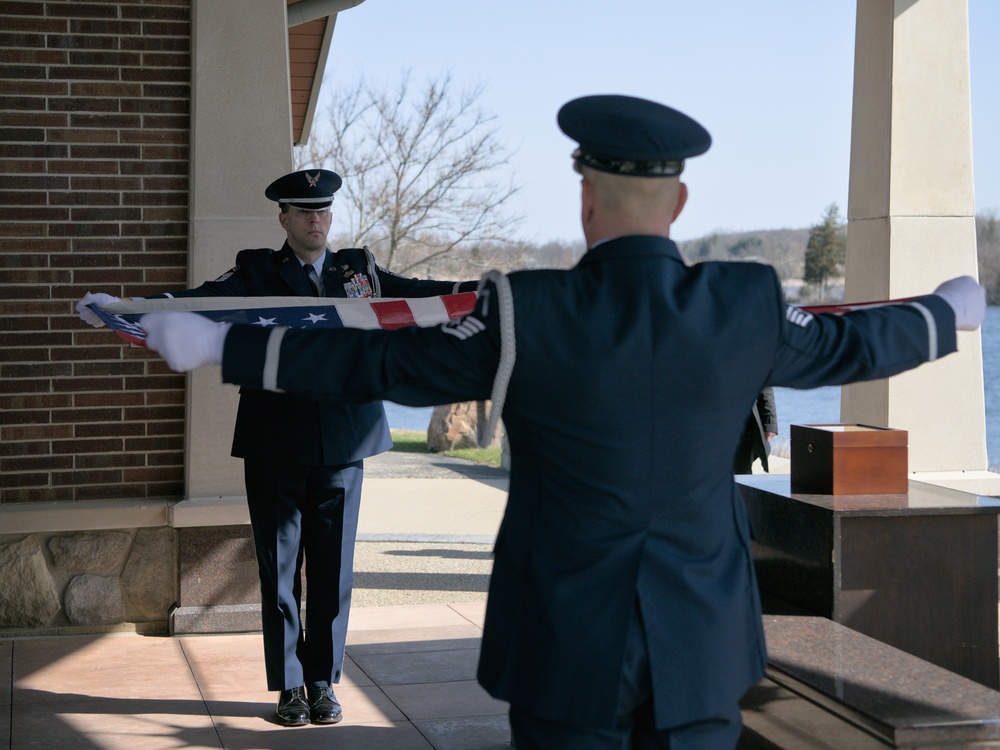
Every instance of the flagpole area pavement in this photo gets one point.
(422, 567)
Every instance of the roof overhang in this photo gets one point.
(310, 31)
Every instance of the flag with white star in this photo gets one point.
(293, 312)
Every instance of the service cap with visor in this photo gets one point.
(630, 136)
(310, 189)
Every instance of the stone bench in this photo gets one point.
(828, 686)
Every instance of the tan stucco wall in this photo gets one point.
(911, 214)
(240, 141)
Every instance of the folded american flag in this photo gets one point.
(326, 312)
(840, 308)
(293, 312)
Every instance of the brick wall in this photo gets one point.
(94, 132)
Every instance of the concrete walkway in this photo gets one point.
(421, 570)
(409, 684)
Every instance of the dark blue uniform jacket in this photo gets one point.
(633, 379)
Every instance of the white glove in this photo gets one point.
(89, 316)
(967, 298)
(185, 340)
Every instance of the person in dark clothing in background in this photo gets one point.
(760, 429)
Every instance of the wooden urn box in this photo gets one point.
(848, 459)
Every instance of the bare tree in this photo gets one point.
(424, 171)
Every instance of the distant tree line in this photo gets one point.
(809, 262)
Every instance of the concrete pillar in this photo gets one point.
(241, 139)
(911, 216)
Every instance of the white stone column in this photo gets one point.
(241, 139)
(911, 215)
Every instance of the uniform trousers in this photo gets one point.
(304, 516)
(635, 726)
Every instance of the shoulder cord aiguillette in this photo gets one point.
(487, 424)
(373, 272)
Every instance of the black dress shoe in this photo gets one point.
(293, 709)
(324, 708)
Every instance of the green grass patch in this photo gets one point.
(409, 441)
(415, 441)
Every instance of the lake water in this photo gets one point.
(816, 406)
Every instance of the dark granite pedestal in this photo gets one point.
(219, 585)
(917, 571)
(831, 687)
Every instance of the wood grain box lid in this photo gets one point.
(849, 435)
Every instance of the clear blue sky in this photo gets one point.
(771, 80)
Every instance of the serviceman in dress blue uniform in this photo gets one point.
(303, 460)
(623, 609)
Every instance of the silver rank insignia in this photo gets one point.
(358, 286)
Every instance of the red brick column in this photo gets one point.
(94, 134)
